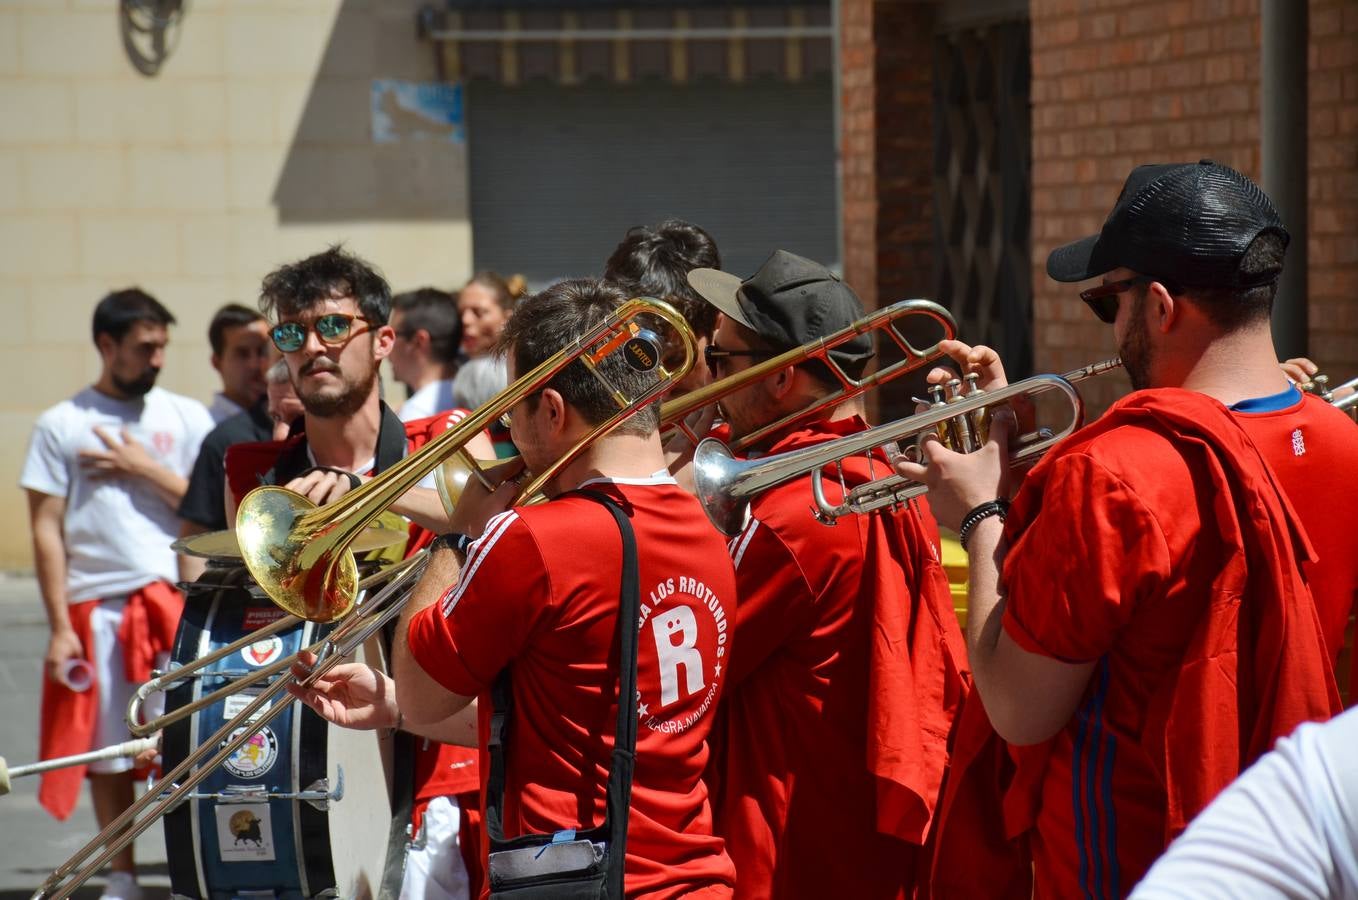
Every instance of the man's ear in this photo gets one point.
(383, 339)
(421, 339)
(1166, 309)
(552, 408)
(216, 363)
(780, 382)
(105, 344)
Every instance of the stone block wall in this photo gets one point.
(197, 181)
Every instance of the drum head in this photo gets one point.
(361, 822)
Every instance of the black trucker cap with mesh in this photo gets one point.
(1186, 223)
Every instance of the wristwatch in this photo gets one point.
(451, 541)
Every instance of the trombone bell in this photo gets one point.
(290, 561)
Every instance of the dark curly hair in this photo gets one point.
(336, 273)
(655, 262)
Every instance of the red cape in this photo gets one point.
(68, 717)
(1222, 710)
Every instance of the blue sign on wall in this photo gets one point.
(406, 110)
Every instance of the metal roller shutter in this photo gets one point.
(557, 173)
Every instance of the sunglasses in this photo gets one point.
(507, 417)
(714, 355)
(332, 328)
(1104, 298)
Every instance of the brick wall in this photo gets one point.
(886, 147)
(1333, 187)
(1116, 84)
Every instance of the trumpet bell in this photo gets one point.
(282, 555)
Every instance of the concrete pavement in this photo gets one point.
(32, 843)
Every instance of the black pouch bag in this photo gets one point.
(571, 864)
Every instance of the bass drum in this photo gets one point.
(304, 809)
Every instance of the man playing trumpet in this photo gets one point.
(834, 730)
(1141, 627)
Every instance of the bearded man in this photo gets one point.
(331, 313)
(104, 473)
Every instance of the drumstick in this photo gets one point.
(117, 751)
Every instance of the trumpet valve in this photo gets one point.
(963, 440)
(979, 418)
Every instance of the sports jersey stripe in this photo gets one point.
(1077, 780)
(750, 529)
(478, 552)
(1091, 770)
(1106, 789)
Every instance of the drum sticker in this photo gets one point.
(244, 832)
(259, 616)
(261, 653)
(233, 705)
(255, 757)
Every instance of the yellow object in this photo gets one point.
(955, 565)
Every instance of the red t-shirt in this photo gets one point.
(797, 796)
(539, 592)
(1116, 566)
(1312, 447)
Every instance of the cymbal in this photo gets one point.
(222, 544)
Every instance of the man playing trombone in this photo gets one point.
(534, 599)
(834, 730)
(1140, 628)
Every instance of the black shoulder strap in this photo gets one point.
(619, 795)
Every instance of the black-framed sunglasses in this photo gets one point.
(1104, 298)
(712, 354)
(331, 328)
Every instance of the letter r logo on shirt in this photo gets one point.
(678, 621)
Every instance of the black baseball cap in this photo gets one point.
(1188, 223)
(790, 301)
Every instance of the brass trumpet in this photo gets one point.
(726, 484)
(886, 321)
(1320, 386)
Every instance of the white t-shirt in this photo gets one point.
(434, 397)
(1286, 828)
(223, 408)
(118, 529)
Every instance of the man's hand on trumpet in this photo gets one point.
(982, 360)
(1299, 369)
(960, 482)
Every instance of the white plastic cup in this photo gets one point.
(77, 674)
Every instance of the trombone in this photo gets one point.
(309, 571)
(674, 413)
(368, 619)
(726, 484)
(298, 554)
(164, 681)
